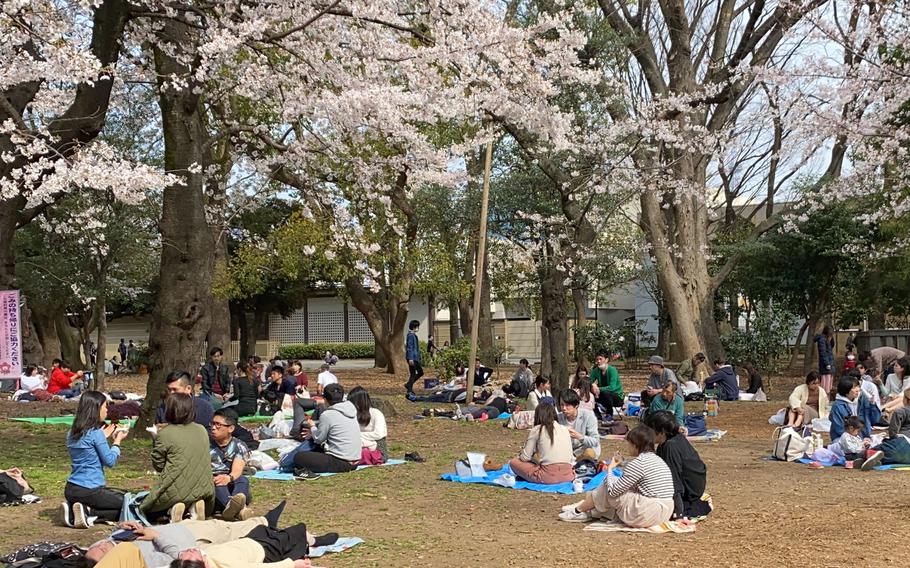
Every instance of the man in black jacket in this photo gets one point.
(690, 476)
(216, 378)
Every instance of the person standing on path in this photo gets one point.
(412, 354)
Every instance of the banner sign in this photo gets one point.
(10, 336)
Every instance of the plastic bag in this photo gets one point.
(821, 425)
(778, 419)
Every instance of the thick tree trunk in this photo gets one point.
(546, 363)
(243, 325)
(386, 324)
(45, 324)
(69, 342)
(554, 314)
(182, 315)
(454, 330)
(101, 339)
(794, 356)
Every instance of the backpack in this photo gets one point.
(696, 425)
(789, 445)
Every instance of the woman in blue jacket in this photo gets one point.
(849, 402)
(86, 492)
(825, 343)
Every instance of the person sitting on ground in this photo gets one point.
(64, 382)
(324, 379)
(694, 370)
(522, 381)
(180, 382)
(867, 385)
(216, 378)
(896, 384)
(246, 391)
(373, 429)
(723, 380)
(582, 426)
(161, 544)
(330, 358)
(669, 400)
(86, 489)
(807, 402)
(581, 384)
(547, 455)
(482, 374)
(641, 498)
(180, 454)
(849, 403)
(690, 475)
(607, 386)
(279, 387)
(895, 449)
(755, 381)
(32, 386)
(541, 390)
(852, 443)
(300, 376)
(229, 459)
(657, 380)
(337, 437)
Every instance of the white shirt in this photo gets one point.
(870, 389)
(374, 431)
(31, 383)
(894, 386)
(326, 378)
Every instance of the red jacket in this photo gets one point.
(60, 380)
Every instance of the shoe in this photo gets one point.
(176, 513)
(414, 457)
(572, 506)
(245, 513)
(65, 514)
(327, 539)
(858, 463)
(198, 512)
(872, 461)
(234, 505)
(304, 474)
(410, 396)
(79, 519)
(574, 516)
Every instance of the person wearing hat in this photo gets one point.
(658, 379)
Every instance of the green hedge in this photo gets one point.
(317, 350)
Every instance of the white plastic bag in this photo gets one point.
(262, 461)
(821, 425)
(279, 425)
(778, 419)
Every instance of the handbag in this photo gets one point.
(789, 445)
(696, 425)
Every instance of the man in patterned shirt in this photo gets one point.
(229, 457)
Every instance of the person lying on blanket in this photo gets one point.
(488, 408)
(690, 475)
(547, 455)
(159, 546)
(642, 497)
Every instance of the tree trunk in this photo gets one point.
(182, 314)
(220, 327)
(260, 320)
(464, 305)
(101, 339)
(485, 329)
(247, 349)
(810, 362)
(794, 356)
(878, 310)
(32, 350)
(546, 363)
(386, 323)
(454, 330)
(581, 320)
(45, 324)
(554, 314)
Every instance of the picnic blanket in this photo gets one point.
(503, 416)
(565, 488)
(710, 436)
(276, 475)
(340, 545)
(667, 527)
(840, 463)
(68, 420)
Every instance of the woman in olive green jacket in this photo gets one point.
(180, 454)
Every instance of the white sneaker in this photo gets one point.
(575, 517)
(571, 507)
(79, 519)
(65, 514)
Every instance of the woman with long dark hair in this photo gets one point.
(373, 429)
(825, 343)
(86, 492)
(547, 456)
(246, 390)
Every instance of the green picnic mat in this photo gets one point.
(68, 420)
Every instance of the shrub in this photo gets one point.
(317, 350)
(765, 342)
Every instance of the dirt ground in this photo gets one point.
(765, 512)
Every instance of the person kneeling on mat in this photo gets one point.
(337, 437)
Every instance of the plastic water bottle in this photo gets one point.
(578, 486)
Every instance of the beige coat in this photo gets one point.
(800, 396)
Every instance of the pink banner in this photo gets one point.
(10, 336)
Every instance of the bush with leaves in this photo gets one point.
(317, 350)
(765, 343)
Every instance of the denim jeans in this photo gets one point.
(223, 493)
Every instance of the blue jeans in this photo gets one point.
(69, 393)
(287, 462)
(896, 449)
(223, 493)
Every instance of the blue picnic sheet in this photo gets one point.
(840, 463)
(275, 475)
(565, 488)
(340, 545)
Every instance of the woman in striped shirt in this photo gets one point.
(642, 497)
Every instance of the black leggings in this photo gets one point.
(102, 502)
(320, 462)
(288, 544)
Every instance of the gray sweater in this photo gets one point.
(585, 423)
(338, 431)
(172, 540)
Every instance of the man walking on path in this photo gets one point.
(412, 354)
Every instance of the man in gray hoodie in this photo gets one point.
(337, 437)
